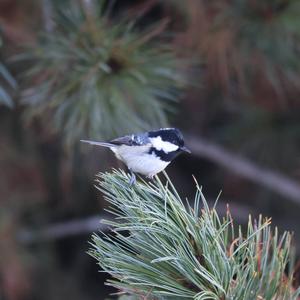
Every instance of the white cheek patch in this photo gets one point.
(159, 144)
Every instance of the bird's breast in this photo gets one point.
(139, 160)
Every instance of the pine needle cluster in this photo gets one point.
(250, 43)
(98, 77)
(161, 248)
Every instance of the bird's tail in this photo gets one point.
(103, 144)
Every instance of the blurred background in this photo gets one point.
(226, 72)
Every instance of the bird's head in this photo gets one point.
(168, 141)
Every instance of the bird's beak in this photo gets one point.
(185, 149)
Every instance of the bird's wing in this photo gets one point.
(103, 144)
(131, 140)
(124, 140)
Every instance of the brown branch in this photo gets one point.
(62, 230)
(88, 225)
(92, 224)
(278, 183)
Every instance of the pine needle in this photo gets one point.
(161, 249)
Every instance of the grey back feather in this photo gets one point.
(103, 144)
(132, 140)
(129, 140)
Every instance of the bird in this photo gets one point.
(146, 153)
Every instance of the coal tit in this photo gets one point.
(146, 153)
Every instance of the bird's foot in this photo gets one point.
(132, 178)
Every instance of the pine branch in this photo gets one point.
(91, 74)
(89, 224)
(61, 230)
(161, 249)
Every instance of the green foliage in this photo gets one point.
(269, 27)
(100, 78)
(162, 249)
(252, 44)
